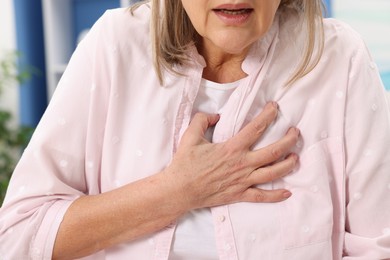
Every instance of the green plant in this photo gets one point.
(13, 138)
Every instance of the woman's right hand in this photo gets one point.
(211, 174)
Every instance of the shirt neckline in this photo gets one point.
(220, 86)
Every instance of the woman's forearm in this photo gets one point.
(93, 223)
(201, 174)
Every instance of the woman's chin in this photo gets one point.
(234, 49)
(234, 44)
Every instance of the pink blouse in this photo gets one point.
(111, 123)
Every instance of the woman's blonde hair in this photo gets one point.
(172, 34)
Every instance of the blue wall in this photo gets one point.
(30, 43)
(371, 19)
(29, 33)
(328, 4)
(386, 79)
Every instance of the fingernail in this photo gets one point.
(274, 104)
(296, 130)
(294, 156)
(287, 194)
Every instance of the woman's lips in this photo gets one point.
(233, 16)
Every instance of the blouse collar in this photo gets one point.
(262, 48)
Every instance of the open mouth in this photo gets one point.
(234, 11)
(233, 16)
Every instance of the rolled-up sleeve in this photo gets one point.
(51, 173)
(367, 148)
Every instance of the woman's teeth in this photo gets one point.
(233, 12)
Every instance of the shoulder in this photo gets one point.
(124, 18)
(340, 36)
(122, 26)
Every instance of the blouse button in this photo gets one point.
(139, 153)
(221, 218)
(357, 196)
(324, 58)
(372, 65)
(374, 107)
(324, 134)
(90, 164)
(227, 247)
(63, 163)
(305, 229)
(339, 94)
(168, 81)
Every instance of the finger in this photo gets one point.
(197, 128)
(256, 128)
(264, 196)
(274, 171)
(275, 151)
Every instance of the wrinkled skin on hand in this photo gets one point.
(212, 174)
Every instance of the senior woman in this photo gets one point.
(122, 165)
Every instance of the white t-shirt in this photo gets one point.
(194, 235)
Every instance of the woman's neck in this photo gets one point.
(223, 74)
(222, 67)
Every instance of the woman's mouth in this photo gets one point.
(233, 17)
(233, 12)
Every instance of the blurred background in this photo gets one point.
(37, 38)
(371, 18)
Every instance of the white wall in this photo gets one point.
(10, 96)
(371, 18)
